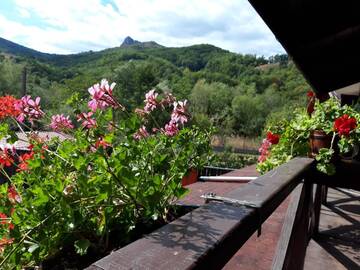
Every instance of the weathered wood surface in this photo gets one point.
(295, 235)
(318, 200)
(269, 190)
(207, 237)
(287, 228)
(337, 245)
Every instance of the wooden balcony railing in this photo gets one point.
(209, 236)
(214, 171)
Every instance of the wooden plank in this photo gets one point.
(287, 228)
(269, 190)
(94, 267)
(301, 234)
(208, 237)
(295, 235)
(317, 207)
(185, 243)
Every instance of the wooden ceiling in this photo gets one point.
(321, 36)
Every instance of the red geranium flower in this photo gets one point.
(7, 107)
(310, 94)
(23, 165)
(100, 142)
(4, 241)
(5, 220)
(2, 217)
(5, 159)
(344, 124)
(272, 138)
(13, 195)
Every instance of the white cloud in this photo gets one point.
(70, 26)
(24, 13)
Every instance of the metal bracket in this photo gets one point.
(213, 197)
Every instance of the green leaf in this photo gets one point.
(81, 246)
(326, 168)
(34, 163)
(79, 162)
(59, 186)
(15, 218)
(101, 197)
(4, 130)
(41, 198)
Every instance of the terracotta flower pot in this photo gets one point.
(190, 178)
(353, 154)
(319, 139)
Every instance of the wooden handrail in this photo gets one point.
(209, 236)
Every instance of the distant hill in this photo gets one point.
(194, 57)
(238, 93)
(19, 50)
(13, 48)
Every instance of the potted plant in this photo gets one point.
(90, 193)
(330, 132)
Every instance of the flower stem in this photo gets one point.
(332, 140)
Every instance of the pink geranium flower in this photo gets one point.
(141, 112)
(28, 108)
(60, 122)
(87, 120)
(150, 100)
(171, 129)
(141, 133)
(102, 96)
(168, 100)
(264, 150)
(179, 112)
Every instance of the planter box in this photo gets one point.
(68, 259)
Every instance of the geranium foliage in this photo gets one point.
(116, 169)
(339, 122)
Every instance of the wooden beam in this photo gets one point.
(295, 234)
(209, 236)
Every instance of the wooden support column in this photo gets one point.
(318, 199)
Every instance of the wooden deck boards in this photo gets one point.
(338, 244)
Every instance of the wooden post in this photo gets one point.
(295, 235)
(317, 208)
(23, 82)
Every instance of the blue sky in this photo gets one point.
(71, 26)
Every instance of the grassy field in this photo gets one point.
(236, 142)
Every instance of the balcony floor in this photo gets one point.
(337, 245)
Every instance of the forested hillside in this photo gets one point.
(234, 92)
